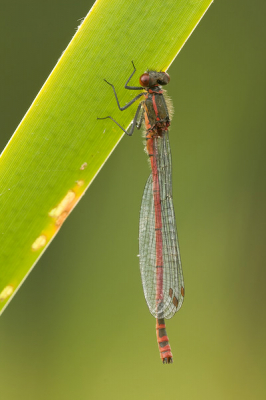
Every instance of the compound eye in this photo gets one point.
(167, 77)
(144, 80)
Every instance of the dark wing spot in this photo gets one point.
(175, 302)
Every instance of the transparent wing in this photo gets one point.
(147, 249)
(173, 283)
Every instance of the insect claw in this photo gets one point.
(108, 82)
(103, 117)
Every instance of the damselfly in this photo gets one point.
(160, 264)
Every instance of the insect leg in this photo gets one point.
(134, 123)
(139, 123)
(132, 87)
(128, 104)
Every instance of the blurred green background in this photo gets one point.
(89, 334)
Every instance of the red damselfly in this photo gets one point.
(160, 264)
